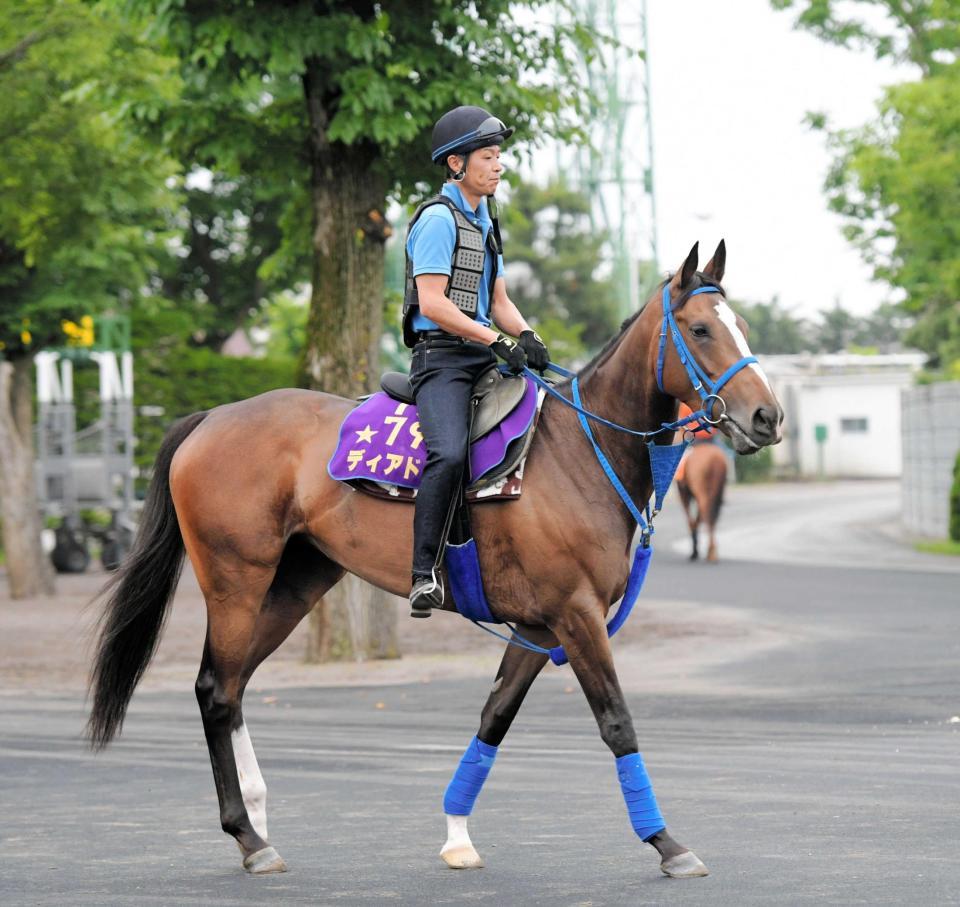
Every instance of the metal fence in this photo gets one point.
(931, 441)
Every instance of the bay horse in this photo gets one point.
(244, 491)
(701, 481)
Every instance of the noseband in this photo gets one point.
(698, 377)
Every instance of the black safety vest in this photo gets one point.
(466, 267)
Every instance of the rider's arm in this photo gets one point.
(439, 309)
(504, 313)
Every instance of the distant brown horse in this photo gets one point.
(701, 481)
(244, 490)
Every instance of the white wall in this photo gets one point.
(825, 390)
(830, 400)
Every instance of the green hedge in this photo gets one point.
(186, 379)
(756, 467)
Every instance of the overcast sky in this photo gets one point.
(731, 83)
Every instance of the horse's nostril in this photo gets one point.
(765, 421)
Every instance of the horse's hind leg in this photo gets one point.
(583, 635)
(239, 638)
(518, 669)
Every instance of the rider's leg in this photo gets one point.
(442, 378)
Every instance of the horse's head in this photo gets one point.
(703, 358)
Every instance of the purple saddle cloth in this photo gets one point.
(380, 441)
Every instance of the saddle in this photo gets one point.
(382, 452)
(496, 396)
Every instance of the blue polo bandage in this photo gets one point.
(638, 792)
(468, 779)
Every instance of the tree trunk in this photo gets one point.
(342, 354)
(29, 571)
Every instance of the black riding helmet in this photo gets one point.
(465, 129)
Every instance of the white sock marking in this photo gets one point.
(457, 834)
(251, 781)
(729, 319)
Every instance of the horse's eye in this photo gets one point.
(700, 330)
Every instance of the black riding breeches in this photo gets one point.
(442, 374)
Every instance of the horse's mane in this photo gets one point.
(614, 342)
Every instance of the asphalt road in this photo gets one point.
(822, 769)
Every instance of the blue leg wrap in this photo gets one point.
(468, 779)
(638, 792)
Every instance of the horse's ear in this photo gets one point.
(716, 265)
(681, 280)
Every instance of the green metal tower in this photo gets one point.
(617, 169)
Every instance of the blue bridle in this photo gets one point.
(698, 377)
(663, 458)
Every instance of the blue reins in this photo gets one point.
(663, 459)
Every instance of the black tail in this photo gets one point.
(140, 593)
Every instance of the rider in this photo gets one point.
(455, 290)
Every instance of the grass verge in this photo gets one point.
(944, 546)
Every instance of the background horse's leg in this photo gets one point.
(518, 669)
(712, 540)
(251, 609)
(582, 633)
(717, 482)
(693, 522)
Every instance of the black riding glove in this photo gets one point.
(510, 352)
(536, 350)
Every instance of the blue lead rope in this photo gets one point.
(663, 463)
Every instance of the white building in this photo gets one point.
(842, 412)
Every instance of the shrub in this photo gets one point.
(756, 467)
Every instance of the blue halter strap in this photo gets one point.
(708, 390)
(663, 459)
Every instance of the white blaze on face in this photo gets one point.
(729, 319)
(251, 781)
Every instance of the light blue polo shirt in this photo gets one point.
(430, 247)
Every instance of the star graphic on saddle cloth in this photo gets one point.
(366, 435)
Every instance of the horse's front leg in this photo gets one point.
(583, 634)
(518, 670)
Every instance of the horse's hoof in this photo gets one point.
(684, 866)
(264, 861)
(462, 857)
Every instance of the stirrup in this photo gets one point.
(426, 595)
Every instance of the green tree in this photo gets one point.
(547, 229)
(884, 329)
(773, 329)
(923, 32)
(80, 213)
(334, 104)
(227, 264)
(895, 179)
(835, 329)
